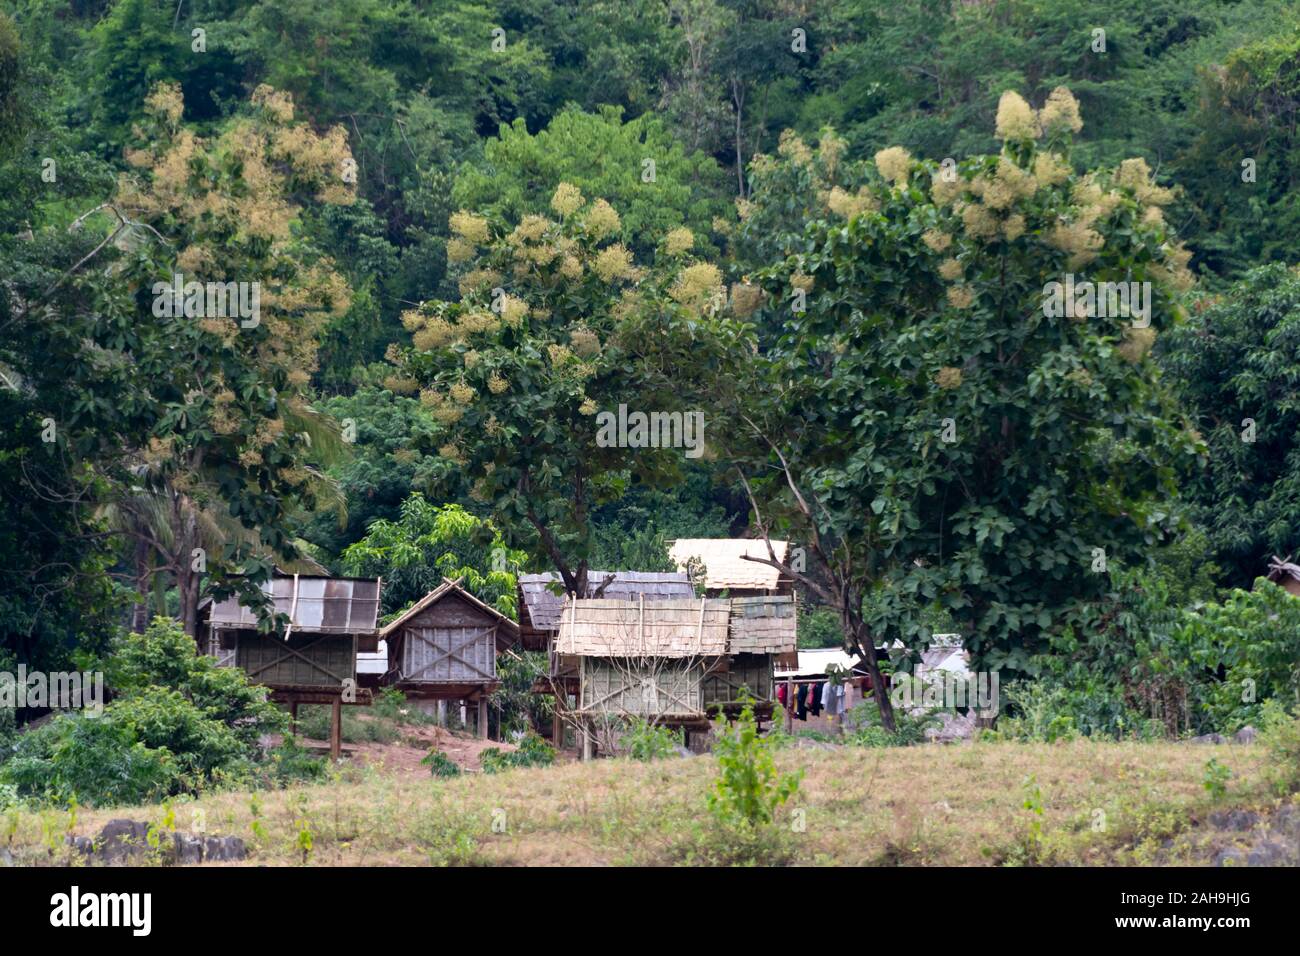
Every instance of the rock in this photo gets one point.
(1209, 739)
(952, 727)
(1272, 853)
(1246, 735)
(1234, 819)
(121, 839)
(186, 848)
(224, 848)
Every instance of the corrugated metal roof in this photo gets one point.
(817, 660)
(724, 561)
(1278, 569)
(313, 604)
(544, 607)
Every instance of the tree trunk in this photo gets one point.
(867, 649)
(140, 609)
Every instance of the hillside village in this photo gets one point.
(673, 432)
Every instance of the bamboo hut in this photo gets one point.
(314, 660)
(444, 648)
(727, 572)
(541, 598)
(675, 662)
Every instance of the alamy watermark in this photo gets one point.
(209, 300)
(55, 690)
(946, 690)
(1074, 299)
(626, 429)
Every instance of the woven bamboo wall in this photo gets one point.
(267, 659)
(641, 688)
(456, 654)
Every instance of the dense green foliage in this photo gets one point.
(480, 223)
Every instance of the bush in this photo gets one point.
(748, 790)
(642, 740)
(96, 761)
(533, 752)
(178, 724)
(440, 765)
(909, 730)
(1282, 738)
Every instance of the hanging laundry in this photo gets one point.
(780, 695)
(815, 699)
(802, 702)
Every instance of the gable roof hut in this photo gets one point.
(444, 647)
(675, 661)
(726, 568)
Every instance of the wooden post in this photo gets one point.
(586, 741)
(557, 727)
(293, 717)
(482, 718)
(336, 728)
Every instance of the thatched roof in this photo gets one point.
(507, 630)
(677, 628)
(543, 606)
(724, 563)
(763, 625)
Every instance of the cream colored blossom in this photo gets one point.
(948, 377)
(469, 226)
(1050, 169)
(613, 262)
(1060, 113)
(937, 240)
(1015, 118)
(462, 394)
(1014, 227)
(951, 269)
(679, 241)
(602, 220)
(1137, 343)
(961, 296)
(745, 298)
(459, 250)
(848, 204)
(894, 164)
(696, 284)
(567, 199)
(585, 343)
(497, 383)
(588, 407)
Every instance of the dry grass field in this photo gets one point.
(1101, 804)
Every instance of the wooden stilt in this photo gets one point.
(586, 741)
(336, 728)
(293, 718)
(482, 718)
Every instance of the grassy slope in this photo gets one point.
(956, 805)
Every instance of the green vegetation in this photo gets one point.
(827, 229)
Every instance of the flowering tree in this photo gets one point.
(936, 426)
(233, 437)
(556, 323)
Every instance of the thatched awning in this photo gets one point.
(543, 606)
(608, 628)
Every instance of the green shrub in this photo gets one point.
(178, 724)
(909, 730)
(1281, 736)
(642, 740)
(96, 761)
(748, 790)
(440, 765)
(533, 751)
